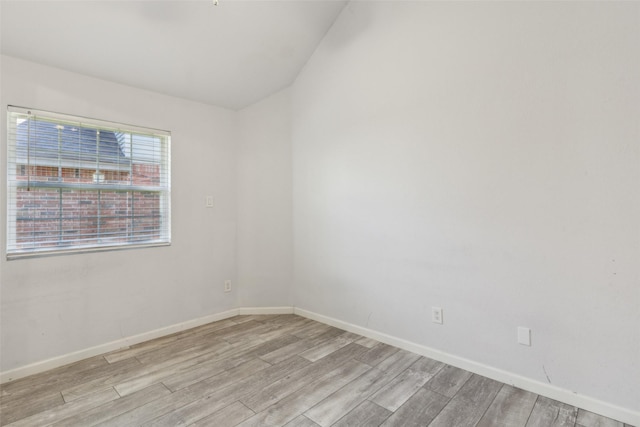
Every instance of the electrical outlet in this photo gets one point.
(227, 285)
(436, 315)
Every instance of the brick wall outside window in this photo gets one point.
(97, 215)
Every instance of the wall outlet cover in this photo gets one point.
(436, 315)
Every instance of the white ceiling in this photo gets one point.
(230, 55)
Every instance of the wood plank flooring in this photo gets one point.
(274, 370)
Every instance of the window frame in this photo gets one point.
(132, 240)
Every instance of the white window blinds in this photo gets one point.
(80, 184)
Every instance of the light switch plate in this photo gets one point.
(524, 336)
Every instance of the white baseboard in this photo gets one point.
(56, 362)
(585, 402)
(265, 310)
(566, 396)
(65, 359)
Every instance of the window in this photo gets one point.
(78, 184)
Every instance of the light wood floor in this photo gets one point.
(274, 371)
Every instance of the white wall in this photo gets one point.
(482, 157)
(264, 258)
(57, 305)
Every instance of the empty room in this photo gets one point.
(320, 213)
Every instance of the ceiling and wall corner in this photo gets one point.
(230, 55)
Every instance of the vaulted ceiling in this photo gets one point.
(230, 55)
